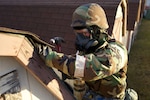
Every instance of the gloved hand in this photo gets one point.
(69, 59)
(42, 50)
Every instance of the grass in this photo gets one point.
(139, 62)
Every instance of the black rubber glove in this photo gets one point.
(69, 60)
(42, 50)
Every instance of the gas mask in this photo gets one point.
(90, 44)
(85, 44)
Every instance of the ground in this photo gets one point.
(139, 62)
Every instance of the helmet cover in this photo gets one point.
(88, 15)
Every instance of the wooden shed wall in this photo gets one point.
(31, 89)
(30, 60)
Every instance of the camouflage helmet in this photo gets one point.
(88, 15)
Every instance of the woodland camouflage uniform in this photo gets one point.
(105, 62)
(103, 72)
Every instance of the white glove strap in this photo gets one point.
(79, 66)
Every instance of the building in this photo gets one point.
(51, 18)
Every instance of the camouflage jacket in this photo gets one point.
(104, 71)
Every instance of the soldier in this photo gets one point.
(100, 60)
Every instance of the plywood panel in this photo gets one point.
(25, 52)
(22, 50)
(10, 44)
(26, 57)
(48, 78)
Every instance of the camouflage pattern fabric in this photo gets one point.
(104, 71)
(89, 14)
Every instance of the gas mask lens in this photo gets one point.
(84, 32)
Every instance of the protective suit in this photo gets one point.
(100, 60)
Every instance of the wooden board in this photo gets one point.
(33, 38)
(31, 61)
(45, 75)
(10, 44)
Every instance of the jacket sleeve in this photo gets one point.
(106, 62)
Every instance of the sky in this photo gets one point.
(147, 2)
